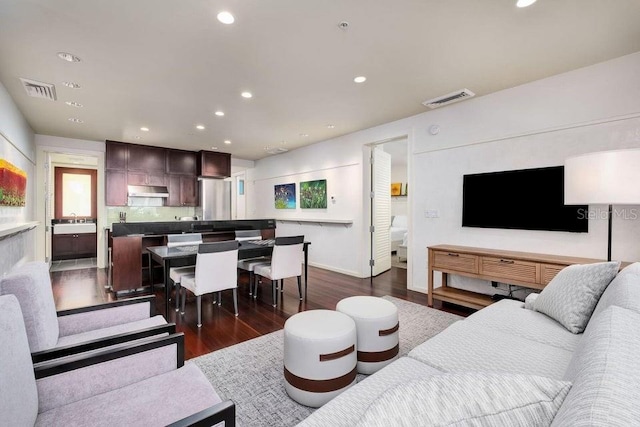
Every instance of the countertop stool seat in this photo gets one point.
(377, 325)
(319, 356)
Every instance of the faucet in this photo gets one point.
(75, 217)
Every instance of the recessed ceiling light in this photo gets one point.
(246, 94)
(75, 120)
(72, 85)
(214, 148)
(200, 127)
(69, 57)
(226, 18)
(304, 135)
(331, 126)
(144, 129)
(219, 113)
(226, 141)
(525, 3)
(73, 104)
(136, 137)
(360, 79)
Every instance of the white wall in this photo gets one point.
(537, 124)
(17, 146)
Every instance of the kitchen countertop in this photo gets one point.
(150, 229)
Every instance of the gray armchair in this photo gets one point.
(135, 384)
(54, 334)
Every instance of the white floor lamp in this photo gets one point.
(603, 178)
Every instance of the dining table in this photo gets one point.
(179, 256)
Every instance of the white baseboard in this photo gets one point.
(337, 270)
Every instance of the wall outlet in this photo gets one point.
(431, 213)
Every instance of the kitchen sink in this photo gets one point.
(76, 228)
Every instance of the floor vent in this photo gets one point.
(39, 89)
(449, 98)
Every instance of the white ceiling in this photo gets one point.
(169, 64)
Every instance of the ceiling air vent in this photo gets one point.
(276, 150)
(449, 98)
(39, 89)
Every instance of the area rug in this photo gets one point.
(250, 373)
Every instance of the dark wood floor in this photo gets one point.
(220, 328)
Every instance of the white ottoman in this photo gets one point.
(377, 324)
(319, 356)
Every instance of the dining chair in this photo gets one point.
(250, 264)
(216, 271)
(176, 273)
(286, 261)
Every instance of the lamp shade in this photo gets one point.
(606, 177)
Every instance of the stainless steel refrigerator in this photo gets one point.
(215, 200)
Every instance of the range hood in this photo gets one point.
(148, 191)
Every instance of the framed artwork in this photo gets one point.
(13, 184)
(313, 194)
(396, 188)
(284, 196)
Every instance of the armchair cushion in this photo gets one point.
(18, 393)
(31, 285)
(78, 323)
(107, 332)
(164, 399)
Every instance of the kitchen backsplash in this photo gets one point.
(148, 214)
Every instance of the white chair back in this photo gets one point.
(287, 257)
(216, 267)
(242, 235)
(185, 239)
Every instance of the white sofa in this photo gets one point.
(597, 372)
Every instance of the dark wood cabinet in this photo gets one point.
(183, 190)
(212, 164)
(116, 155)
(116, 188)
(142, 178)
(126, 263)
(71, 246)
(181, 162)
(146, 158)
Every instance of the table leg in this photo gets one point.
(166, 289)
(306, 265)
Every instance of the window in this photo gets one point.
(75, 193)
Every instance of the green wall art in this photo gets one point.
(313, 194)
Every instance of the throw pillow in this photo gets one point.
(471, 398)
(572, 295)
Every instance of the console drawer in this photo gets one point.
(510, 269)
(455, 261)
(549, 271)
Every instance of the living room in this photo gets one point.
(589, 105)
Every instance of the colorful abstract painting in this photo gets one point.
(285, 196)
(13, 185)
(313, 194)
(396, 188)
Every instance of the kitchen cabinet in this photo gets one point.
(143, 178)
(181, 162)
(116, 155)
(212, 164)
(183, 190)
(71, 246)
(116, 188)
(146, 159)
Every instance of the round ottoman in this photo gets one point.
(377, 324)
(319, 356)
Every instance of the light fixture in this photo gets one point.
(304, 135)
(331, 126)
(73, 104)
(144, 129)
(219, 113)
(525, 3)
(603, 178)
(226, 141)
(71, 85)
(69, 57)
(226, 17)
(214, 148)
(136, 137)
(75, 120)
(246, 95)
(360, 79)
(200, 127)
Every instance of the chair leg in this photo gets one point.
(199, 304)
(219, 299)
(273, 291)
(250, 283)
(215, 299)
(177, 292)
(235, 300)
(281, 285)
(300, 287)
(184, 299)
(255, 286)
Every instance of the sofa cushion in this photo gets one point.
(346, 409)
(31, 284)
(18, 393)
(605, 373)
(512, 317)
(573, 294)
(479, 399)
(466, 346)
(623, 291)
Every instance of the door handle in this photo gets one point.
(507, 261)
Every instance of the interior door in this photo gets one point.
(380, 211)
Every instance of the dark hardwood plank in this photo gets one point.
(220, 328)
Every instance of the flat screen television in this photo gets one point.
(527, 199)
